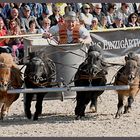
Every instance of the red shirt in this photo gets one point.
(2, 33)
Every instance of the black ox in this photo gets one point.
(91, 72)
(38, 73)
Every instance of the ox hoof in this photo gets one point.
(1, 118)
(126, 109)
(93, 109)
(117, 116)
(35, 118)
(79, 117)
(28, 115)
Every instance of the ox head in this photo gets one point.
(94, 63)
(131, 66)
(5, 76)
(36, 70)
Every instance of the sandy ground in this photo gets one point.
(58, 118)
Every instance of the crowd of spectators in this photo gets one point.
(33, 18)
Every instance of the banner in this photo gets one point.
(118, 42)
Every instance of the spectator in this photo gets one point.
(138, 9)
(86, 16)
(97, 11)
(139, 19)
(95, 24)
(12, 23)
(14, 15)
(16, 43)
(45, 8)
(45, 13)
(81, 22)
(5, 9)
(27, 18)
(132, 7)
(3, 42)
(132, 20)
(67, 9)
(33, 28)
(49, 6)
(124, 12)
(103, 24)
(55, 17)
(111, 13)
(46, 24)
(118, 23)
(105, 8)
(61, 6)
(92, 7)
(36, 9)
(19, 7)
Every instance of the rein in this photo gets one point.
(44, 84)
(88, 77)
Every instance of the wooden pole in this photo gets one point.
(18, 36)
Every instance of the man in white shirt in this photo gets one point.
(70, 31)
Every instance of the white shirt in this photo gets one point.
(83, 32)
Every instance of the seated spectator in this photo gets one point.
(103, 24)
(14, 15)
(138, 9)
(19, 7)
(45, 14)
(3, 42)
(132, 20)
(95, 24)
(46, 24)
(81, 22)
(62, 6)
(97, 11)
(5, 9)
(27, 18)
(124, 12)
(56, 17)
(118, 23)
(16, 43)
(86, 16)
(105, 8)
(67, 9)
(33, 28)
(139, 19)
(111, 13)
(36, 9)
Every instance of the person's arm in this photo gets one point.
(84, 36)
(53, 33)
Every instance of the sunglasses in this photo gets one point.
(87, 8)
(57, 10)
(133, 17)
(98, 8)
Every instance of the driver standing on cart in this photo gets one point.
(70, 31)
